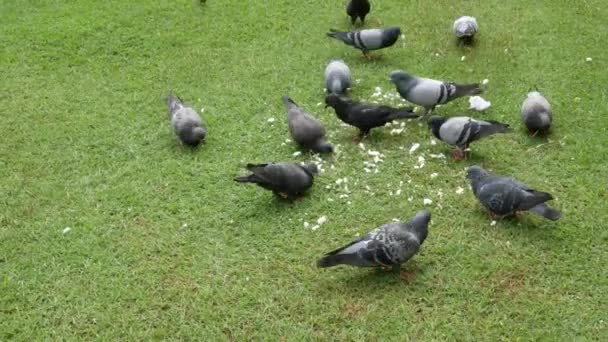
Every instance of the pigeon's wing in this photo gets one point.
(370, 39)
(480, 129)
(503, 195)
(456, 130)
(304, 128)
(427, 92)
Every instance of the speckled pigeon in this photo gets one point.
(387, 246)
(427, 92)
(536, 113)
(185, 121)
(357, 9)
(460, 131)
(305, 129)
(366, 116)
(368, 40)
(284, 179)
(337, 77)
(504, 196)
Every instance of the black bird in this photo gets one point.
(357, 9)
(366, 116)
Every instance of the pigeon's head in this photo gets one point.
(400, 77)
(420, 224)
(391, 34)
(312, 168)
(332, 100)
(475, 173)
(435, 123)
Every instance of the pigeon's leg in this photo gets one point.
(427, 113)
(353, 20)
(533, 134)
(366, 55)
(385, 267)
(362, 135)
(281, 195)
(493, 216)
(407, 275)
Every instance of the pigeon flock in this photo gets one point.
(392, 244)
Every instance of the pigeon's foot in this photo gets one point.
(458, 154)
(370, 57)
(533, 133)
(386, 268)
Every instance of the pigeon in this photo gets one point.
(337, 77)
(460, 131)
(305, 129)
(505, 196)
(465, 27)
(368, 40)
(185, 121)
(357, 8)
(287, 180)
(429, 93)
(387, 246)
(536, 113)
(366, 116)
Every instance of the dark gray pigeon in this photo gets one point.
(357, 9)
(337, 77)
(536, 113)
(368, 40)
(185, 121)
(465, 27)
(366, 116)
(429, 93)
(305, 129)
(287, 180)
(460, 131)
(387, 246)
(504, 196)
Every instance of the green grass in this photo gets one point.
(164, 245)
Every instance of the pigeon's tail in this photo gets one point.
(333, 260)
(403, 113)
(499, 127)
(343, 36)
(173, 102)
(547, 212)
(535, 198)
(287, 101)
(466, 90)
(323, 147)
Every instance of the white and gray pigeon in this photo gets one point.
(284, 179)
(185, 121)
(357, 9)
(337, 77)
(505, 196)
(429, 93)
(387, 246)
(305, 129)
(465, 27)
(460, 131)
(369, 39)
(536, 113)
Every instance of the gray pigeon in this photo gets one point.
(460, 131)
(357, 9)
(536, 113)
(185, 121)
(429, 93)
(465, 27)
(387, 246)
(337, 77)
(368, 40)
(287, 180)
(305, 129)
(504, 196)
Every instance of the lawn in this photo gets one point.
(164, 245)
